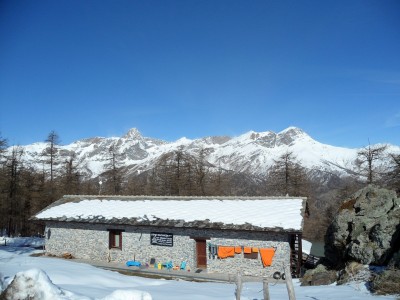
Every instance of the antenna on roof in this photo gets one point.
(100, 183)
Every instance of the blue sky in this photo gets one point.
(200, 68)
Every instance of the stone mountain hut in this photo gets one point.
(256, 236)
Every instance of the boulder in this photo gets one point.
(366, 229)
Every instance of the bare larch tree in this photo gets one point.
(365, 161)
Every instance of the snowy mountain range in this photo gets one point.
(251, 152)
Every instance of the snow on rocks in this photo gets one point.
(35, 284)
(32, 284)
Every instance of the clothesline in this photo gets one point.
(222, 252)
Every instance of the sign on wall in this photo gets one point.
(162, 239)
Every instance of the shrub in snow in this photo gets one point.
(33, 284)
(387, 282)
(128, 295)
(318, 276)
(354, 272)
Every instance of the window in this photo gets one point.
(115, 238)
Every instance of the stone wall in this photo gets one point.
(90, 241)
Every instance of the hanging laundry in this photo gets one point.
(213, 250)
(254, 249)
(247, 250)
(266, 256)
(224, 252)
(238, 249)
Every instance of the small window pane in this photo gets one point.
(117, 239)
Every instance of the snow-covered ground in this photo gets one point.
(56, 279)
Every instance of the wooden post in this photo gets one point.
(289, 283)
(239, 285)
(265, 289)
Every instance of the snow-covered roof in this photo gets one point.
(240, 213)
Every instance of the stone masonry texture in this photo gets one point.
(91, 241)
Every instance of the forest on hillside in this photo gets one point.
(25, 190)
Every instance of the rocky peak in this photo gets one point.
(266, 139)
(219, 140)
(133, 134)
(289, 135)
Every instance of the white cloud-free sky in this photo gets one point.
(198, 68)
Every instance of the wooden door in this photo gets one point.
(201, 253)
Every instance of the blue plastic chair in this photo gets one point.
(132, 263)
(168, 265)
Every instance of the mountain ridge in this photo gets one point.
(251, 152)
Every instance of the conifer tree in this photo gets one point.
(113, 173)
(52, 140)
(287, 177)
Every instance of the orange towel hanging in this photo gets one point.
(224, 252)
(247, 250)
(266, 256)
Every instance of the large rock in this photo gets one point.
(366, 229)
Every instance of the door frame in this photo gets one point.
(201, 244)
